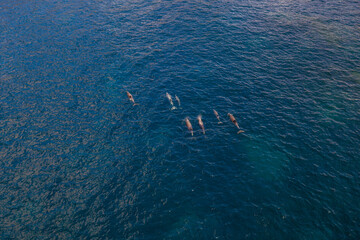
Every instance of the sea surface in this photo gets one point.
(79, 161)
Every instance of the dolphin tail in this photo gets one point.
(241, 131)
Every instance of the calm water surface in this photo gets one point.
(78, 161)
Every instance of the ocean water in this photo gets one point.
(79, 161)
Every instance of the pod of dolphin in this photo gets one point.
(187, 121)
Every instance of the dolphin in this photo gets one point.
(178, 100)
(131, 98)
(235, 122)
(170, 100)
(189, 126)
(217, 116)
(201, 124)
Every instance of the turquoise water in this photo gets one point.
(79, 161)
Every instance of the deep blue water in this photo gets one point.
(78, 161)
